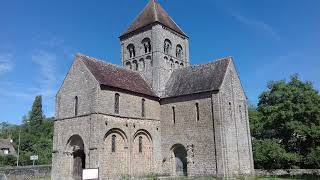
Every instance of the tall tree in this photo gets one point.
(36, 134)
(290, 112)
(36, 115)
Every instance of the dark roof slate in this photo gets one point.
(152, 13)
(196, 79)
(6, 144)
(115, 76)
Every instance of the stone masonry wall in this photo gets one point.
(157, 65)
(97, 122)
(236, 143)
(78, 82)
(130, 105)
(25, 172)
(188, 131)
(96, 131)
(162, 65)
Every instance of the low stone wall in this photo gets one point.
(25, 172)
(287, 172)
(44, 171)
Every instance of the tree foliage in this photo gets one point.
(36, 134)
(286, 125)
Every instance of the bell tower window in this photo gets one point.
(131, 49)
(135, 65)
(179, 52)
(147, 45)
(167, 46)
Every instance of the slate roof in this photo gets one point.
(115, 76)
(6, 144)
(196, 79)
(153, 13)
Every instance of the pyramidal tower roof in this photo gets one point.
(153, 13)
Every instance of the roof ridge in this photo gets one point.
(197, 78)
(152, 13)
(155, 10)
(100, 67)
(100, 60)
(210, 62)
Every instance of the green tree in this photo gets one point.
(270, 154)
(8, 160)
(36, 133)
(256, 124)
(290, 113)
(36, 115)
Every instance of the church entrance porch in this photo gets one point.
(179, 163)
(75, 146)
(78, 164)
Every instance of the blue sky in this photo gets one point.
(269, 40)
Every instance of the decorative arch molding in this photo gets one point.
(76, 156)
(75, 142)
(176, 64)
(143, 132)
(176, 146)
(117, 131)
(179, 156)
(142, 152)
(128, 65)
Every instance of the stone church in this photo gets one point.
(156, 114)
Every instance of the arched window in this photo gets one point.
(141, 64)
(113, 143)
(181, 64)
(135, 65)
(128, 65)
(149, 60)
(179, 51)
(230, 108)
(197, 112)
(131, 49)
(76, 103)
(171, 64)
(116, 103)
(173, 115)
(143, 107)
(167, 46)
(147, 45)
(140, 144)
(176, 64)
(240, 112)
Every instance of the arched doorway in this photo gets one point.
(180, 167)
(75, 145)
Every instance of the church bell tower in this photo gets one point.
(154, 45)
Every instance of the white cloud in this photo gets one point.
(47, 64)
(256, 24)
(6, 63)
(45, 67)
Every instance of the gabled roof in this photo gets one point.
(115, 76)
(196, 79)
(153, 13)
(6, 144)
